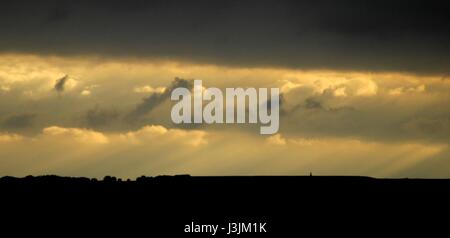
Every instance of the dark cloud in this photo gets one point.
(376, 119)
(20, 121)
(155, 99)
(98, 118)
(58, 14)
(437, 127)
(316, 103)
(59, 85)
(311, 103)
(402, 35)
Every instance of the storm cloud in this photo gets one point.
(98, 117)
(373, 35)
(19, 121)
(155, 99)
(60, 83)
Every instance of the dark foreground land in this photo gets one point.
(162, 206)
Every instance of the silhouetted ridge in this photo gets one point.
(215, 184)
(165, 204)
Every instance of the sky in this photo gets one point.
(84, 87)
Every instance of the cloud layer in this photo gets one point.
(382, 35)
(332, 122)
(154, 150)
